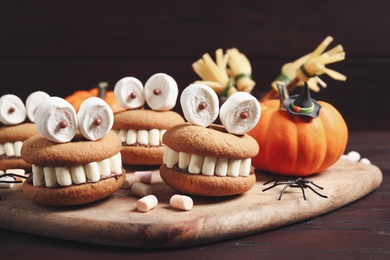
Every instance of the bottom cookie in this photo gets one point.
(197, 184)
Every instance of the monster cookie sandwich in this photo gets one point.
(14, 129)
(76, 158)
(206, 159)
(139, 128)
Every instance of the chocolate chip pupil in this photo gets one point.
(156, 91)
(202, 105)
(133, 95)
(97, 121)
(63, 124)
(244, 115)
(11, 110)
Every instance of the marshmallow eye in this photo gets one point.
(129, 93)
(161, 92)
(55, 119)
(240, 113)
(12, 110)
(32, 102)
(95, 118)
(200, 104)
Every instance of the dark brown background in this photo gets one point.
(62, 46)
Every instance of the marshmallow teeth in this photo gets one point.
(33, 101)
(55, 119)
(200, 104)
(161, 92)
(129, 93)
(95, 118)
(240, 113)
(12, 110)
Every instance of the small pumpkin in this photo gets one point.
(296, 145)
(101, 91)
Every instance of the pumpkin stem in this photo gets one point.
(102, 86)
(283, 94)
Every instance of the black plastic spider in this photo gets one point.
(297, 183)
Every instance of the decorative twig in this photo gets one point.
(308, 68)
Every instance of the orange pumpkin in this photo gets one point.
(79, 96)
(295, 145)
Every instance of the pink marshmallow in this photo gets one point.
(144, 176)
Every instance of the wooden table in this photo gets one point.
(359, 230)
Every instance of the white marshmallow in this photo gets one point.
(162, 132)
(95, 118)
(33, 101)
(92, 171)
(49, 115)
(354, 156)
(131, 136)
(104, 167)
(18, 148)
(193, 97)
(50, 176)
(12, 110)
(165, 154)
(221, 167)
(184, 160)
(365, 161)
(181, 202)
(116, 163)
(144, 176)
(234, 167)
(208, 166)
(78, 174)
(37, 174)
(168, 92)
(9, 149)
(63, 176)
(233, 110)
(154, 137)
(129, 93)
(129, 181)
(143, 137)
(196, 162)
(147, 203)
(16, 171)
(172, 158)
(141, 189)
(245, 167)
(5, 184)
(122, 135)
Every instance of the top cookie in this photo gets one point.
(14, 133)
(146, 119)
(40, 151)
(212, 141)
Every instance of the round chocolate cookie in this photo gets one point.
(72, 173)
(141, 131)
(208, 161)
(11, 140)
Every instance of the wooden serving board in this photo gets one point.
(116, 221)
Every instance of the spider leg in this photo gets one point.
(316, 185)
(302, 186)
(268, 182)
(277, 183)
(307, 186)
(281, 194)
